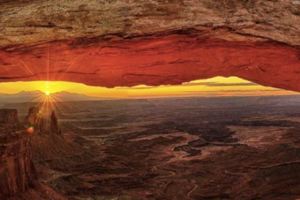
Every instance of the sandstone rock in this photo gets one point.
(42, 122)
(35, 120)
(32, 22)
(33, 116)
(8, 116)
(54, 128)
(126, 43)
(17, 173)
(18, 176)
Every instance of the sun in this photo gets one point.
(47, 93)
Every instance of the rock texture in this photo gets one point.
(16, 169)
(54, 127)
(42, 122)
(8, 116)
(125, 42)
(18, 177)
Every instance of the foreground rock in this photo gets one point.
(8, 117)
(16, 168)
(18, 176)
(126, 43)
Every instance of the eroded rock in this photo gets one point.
(18, 176)
(42, 121)
(17, 172)
(126, 43)
(8, 116)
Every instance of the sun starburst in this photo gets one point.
(47, 93)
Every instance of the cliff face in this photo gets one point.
(42, 122)
(54, 127)
(18, 177)
(27, 22)
(126, 43)
(8, 117)
(16, 168)
(47, 141)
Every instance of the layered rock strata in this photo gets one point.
(17, 173)
(126, 43)
(18, 176)
(42, 122)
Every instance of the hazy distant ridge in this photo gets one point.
(37, 95)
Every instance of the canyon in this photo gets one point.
(146, 149)
(227, 148)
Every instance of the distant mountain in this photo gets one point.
(68, 96)
(20, 97)
(35, 96)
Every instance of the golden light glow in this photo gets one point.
(217, 86)
(30, 130)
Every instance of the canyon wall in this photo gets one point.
(17, 173)
(18, 176)
(8, 117)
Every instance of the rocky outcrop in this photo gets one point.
(126, 43)
(16, 169)
(42, 121)
(27, 22)
(18, 176)
(33, 116)
(54, 127)
(8, 116)
(17, 173)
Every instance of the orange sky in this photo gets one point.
(217, 86)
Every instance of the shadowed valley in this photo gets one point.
(178, 148)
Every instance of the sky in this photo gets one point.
(217, 86)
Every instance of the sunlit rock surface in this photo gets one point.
(125, 43)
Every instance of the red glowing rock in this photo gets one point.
(169, 59)
(125, 43)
